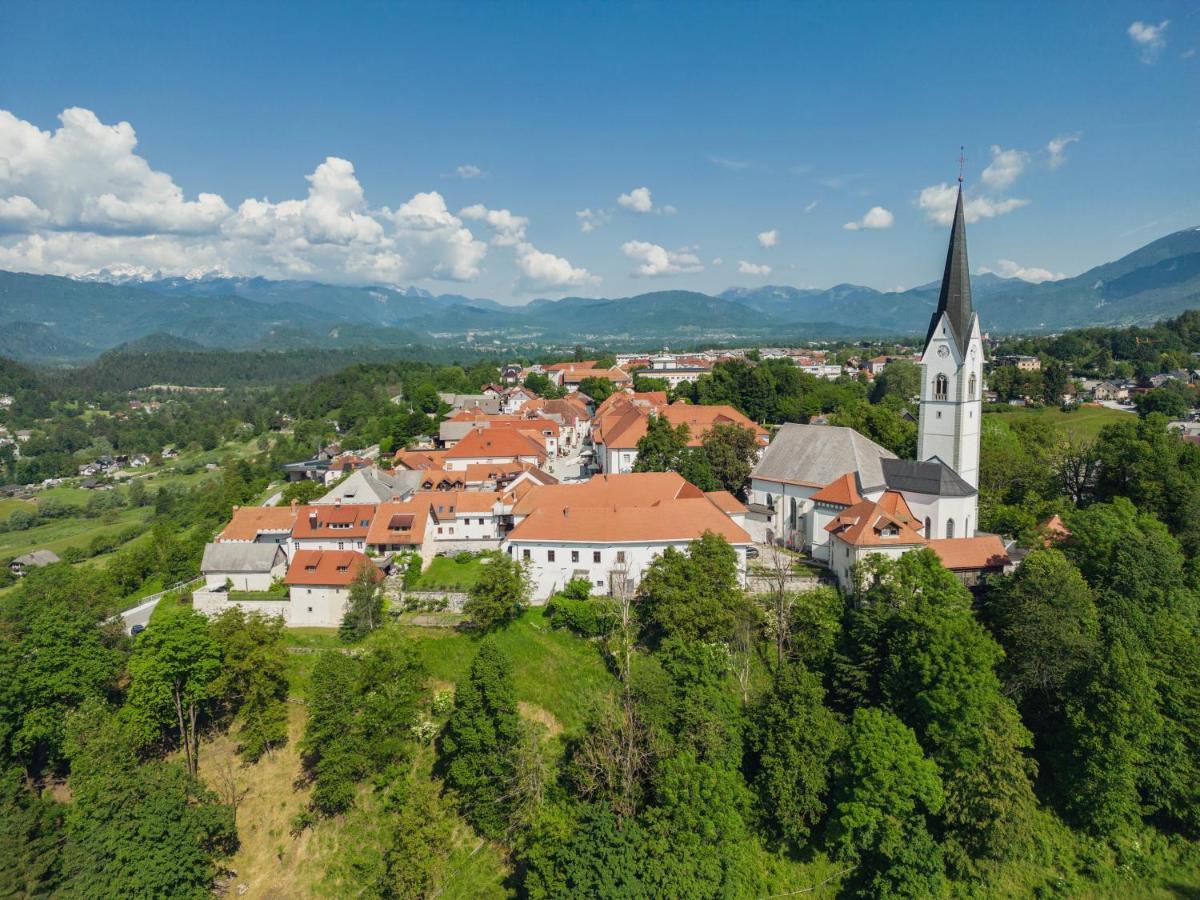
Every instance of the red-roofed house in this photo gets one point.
(484, 446)
(319, 585)
(336, 527)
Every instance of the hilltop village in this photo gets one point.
(556, 485)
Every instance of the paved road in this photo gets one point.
(139, 615)
(1120, 407)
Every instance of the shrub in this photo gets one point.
(594, 617)
(463, 557)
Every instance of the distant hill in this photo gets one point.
(47, 318)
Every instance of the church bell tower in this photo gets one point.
(952, 367)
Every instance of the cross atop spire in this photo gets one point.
(962, 161)
(955, 297)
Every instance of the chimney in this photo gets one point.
(566, 512)
(236, 507)
(337, 502)
(295, 503)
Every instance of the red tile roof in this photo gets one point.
(249, 521)
(984, 551)
(497, 443)
(869, 524)
(842, 491)
(314, 522)
(328, 568)
(664, 521)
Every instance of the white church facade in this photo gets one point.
(841, 497)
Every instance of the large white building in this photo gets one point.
(609, 529)
(842, 497)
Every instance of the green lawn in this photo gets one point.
(557, 675)
(8, 506)
(445, 574)
(1084, 422)
(58, 534)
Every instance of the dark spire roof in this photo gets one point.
(955, 297)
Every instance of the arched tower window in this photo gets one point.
(928, 528)
(949, 528)
(795, 517)
(972, 382)
(941, 387)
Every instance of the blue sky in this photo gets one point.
(739, 120)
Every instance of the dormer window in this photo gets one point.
(941, 387)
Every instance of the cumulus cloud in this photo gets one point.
(717, 261)
(655, 261)
(591, 219)
(1056, 149)
(1006, 268)
(80, 198)
(1149, 39)
(507, 229)
(768, 238)
(938, 201)
(1005, 168)
(639, 201)
(749, 268)
(875, 218)
(541, 271)
(467, 172)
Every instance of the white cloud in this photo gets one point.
(717, 261)
(811, 206)
(508, 230)
(638, 200)
(768, 238)
(85, 175)
(1006, 268)
(1006, 166)
(591, 219)
(80, 199)
(467, 172)
(1057, 149)
(655, 261)
(875, 218)
(1149, 39)
(749, 268)
(938, 201)
(542, 271)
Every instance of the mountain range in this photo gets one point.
(51, 318)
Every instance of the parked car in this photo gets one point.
(751, 553)
(136, 630)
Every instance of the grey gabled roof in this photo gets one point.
(372, 485)
(819, 454)
(37, 558)
(930, 477)
(955, 296)
(240, 557)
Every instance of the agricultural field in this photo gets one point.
(1083, 423)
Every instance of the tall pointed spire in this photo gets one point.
(955, 296)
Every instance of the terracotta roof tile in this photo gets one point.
(984, 551)
(667, 520)
(843, 491)
(249, 521)
(328, 568)
(314, 522)
(869, 524)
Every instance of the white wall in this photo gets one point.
(950, 428)
(213, 603)
(329, 543)
(844, 557)
(939, 510)
(781, 494)
(317, 607)
(245, 581)
(550, 576)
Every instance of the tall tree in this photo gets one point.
(731, 450)
(662, 447)
(692, 595)
(172, 680)
(500, 593)
(480, 742)
(364, 608)
(885, 794)
(253, 683)
(332, 749)
(793, 738)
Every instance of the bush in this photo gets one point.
(593, 617)
(73, 554)
(463, 557)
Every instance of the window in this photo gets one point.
(549, 556)
(620, 556)
(341, 545)
(949, 528)
(310, 608)
(972, 382)
(525, 554)
(795, 516)
(574, 556)
(928, 530)
(941, 387)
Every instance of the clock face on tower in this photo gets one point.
(943, 351)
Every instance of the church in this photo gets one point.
(836, 494)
